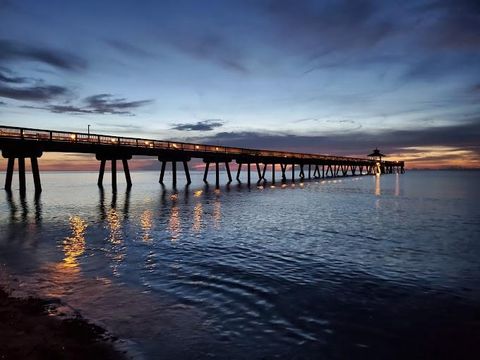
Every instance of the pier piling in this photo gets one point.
(9, 176)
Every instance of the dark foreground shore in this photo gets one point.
(29, 331)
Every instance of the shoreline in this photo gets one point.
(30, 328)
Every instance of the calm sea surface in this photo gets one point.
(361, 267)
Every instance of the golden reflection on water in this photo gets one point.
(377, 185)
(217, 213)
(146, 222)
(74, 245)
(397, 184)
(174, 220)
(60, 275)
(197, 217)
(114, 224)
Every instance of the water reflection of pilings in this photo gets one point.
(146, 223)
(114, 224)
(14, 208)
(180, 213)
(174, 225)
(197, 212)
(113, 203)
(217, 210)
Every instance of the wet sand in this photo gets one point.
(28, 330)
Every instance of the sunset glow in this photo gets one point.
(280, 75)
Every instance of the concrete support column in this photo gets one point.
(174, 173)
(205, 174)
(21, 175)
(187, 172)
(36, 175)
(126, 170)
(114, 175)
(162, 172)
(9, 175)
(238, 171)
(227, 167)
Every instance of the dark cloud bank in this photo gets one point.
(104, 104)
(13, 51)
(459, 136)
(35, 90)
(205, 125)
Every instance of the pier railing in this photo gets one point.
(120, 141)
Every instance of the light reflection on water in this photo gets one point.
(146, 222)
(264, 271)
(74, 245)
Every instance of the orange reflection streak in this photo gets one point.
(115, 226)
(174, 220)
(217, 213)
(377, 186)
(74, 245)
(197, 217)
(60, 275)
(115, 237)
(146, 223)
(397, 184)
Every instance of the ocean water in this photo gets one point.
(358, 267)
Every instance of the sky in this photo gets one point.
(329, 77)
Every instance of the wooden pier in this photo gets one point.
(23, 143)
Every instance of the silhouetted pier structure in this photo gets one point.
(23, 143)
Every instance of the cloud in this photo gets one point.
(7, 77)
(104, 104)
(13, 51)
(32, 93)
(359, 142)
(124, 128)
(26, 89)
(320, 28)
(128, 49)
(2, 103)
(456, 26)
(107, 104)
(205, 125)
(209, 46)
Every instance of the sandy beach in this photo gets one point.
(29, 331)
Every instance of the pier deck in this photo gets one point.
(21, 143)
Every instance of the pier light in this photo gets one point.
(147, 142)
(174, 145)
(113, 140)
(72, 137)
(197, 147)
(216, 148)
